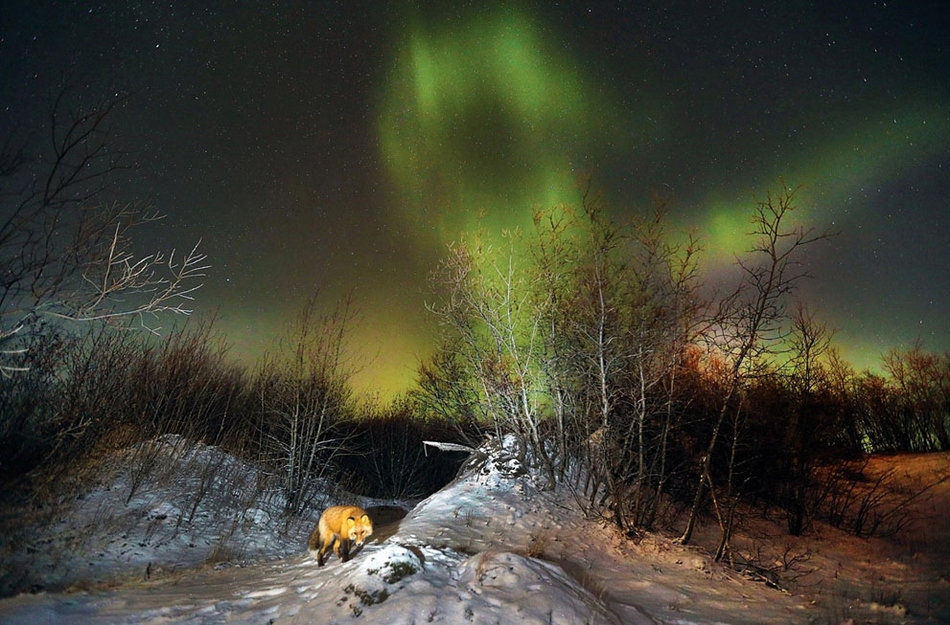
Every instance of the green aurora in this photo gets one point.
(483, 119)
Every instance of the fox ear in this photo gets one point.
(351, 522)
(364, 518)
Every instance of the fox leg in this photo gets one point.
(321, 555)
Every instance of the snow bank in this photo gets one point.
(160, 506)
(492, 547)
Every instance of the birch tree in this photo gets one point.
(487, 305)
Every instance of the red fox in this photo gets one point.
(344, 525)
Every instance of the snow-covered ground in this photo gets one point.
(489, 548)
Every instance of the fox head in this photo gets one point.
(358, 530)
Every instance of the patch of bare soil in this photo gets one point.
(902, 578)
(916, 567)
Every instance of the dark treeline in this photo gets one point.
(76, 400)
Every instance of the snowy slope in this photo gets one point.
(489, 548)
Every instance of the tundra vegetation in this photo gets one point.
(596, 343)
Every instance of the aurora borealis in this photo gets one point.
(483, 115)
(342, 146)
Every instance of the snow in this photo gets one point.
(491, 547)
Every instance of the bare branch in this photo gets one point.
(63, 257)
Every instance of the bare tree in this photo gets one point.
(304, 395)
(444, 392)
(554, 257)
(585, 288)
(675, 324)
(622, 307)
(66, 252)
(487, 304)
(806, 432)
(923, 383)
(750, 325)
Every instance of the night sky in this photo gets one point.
(340, 146)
